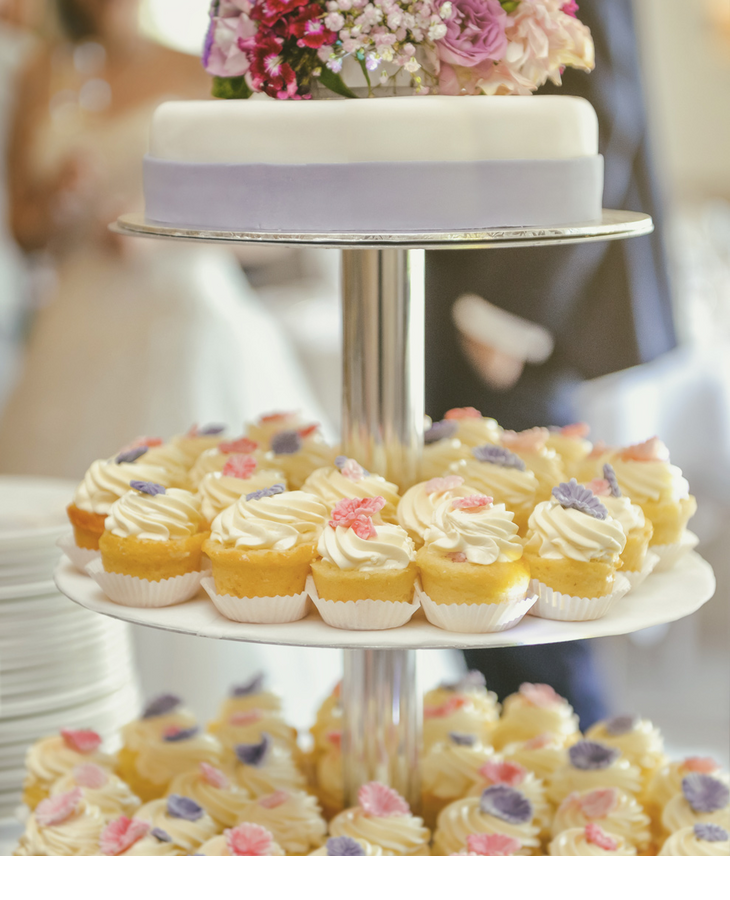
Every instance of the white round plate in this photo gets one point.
(663, 597)
(33, 511)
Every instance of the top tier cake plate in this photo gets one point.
(383, 298)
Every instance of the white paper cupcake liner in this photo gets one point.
(637, 578)
(554, 605)
(670, 554)
(128, 590)
(258, 610)
(79, 556)
(362, 615)
(475, 618)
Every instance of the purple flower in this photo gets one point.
(610, 476)
(180, 807)
(342, 461)
(211, 430)
(286, 443)
(253, 686)
(498, 456)
(147, 487)
(266, 492)
(462, 740)
(253, 754)
(507, 804)
(344, 846)
(589, 755)
(180, 734)
(161, 835)
(571, 495)
(129, 456)
(707, 831)
(475, 33)
(161, 705)
(704, 793)
(621, 724)
(440, 431)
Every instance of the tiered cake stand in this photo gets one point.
(383, 297)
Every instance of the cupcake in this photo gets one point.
(590, 841)
(245, 839)
(637, 739)
(536, 709)
(185, 821)
(135, 837)
(472, 428)
(416, 507)
(293, 818)
(105, 481)
(472, 687)
(248, 695)
(592, 466)
(300, 453)
(240, 476)
(266, 426)
(51, 758)
(543, 461)
(471, 567)
(497, 771)
(347, 480)
(214, 791)
(572, 549)
(450, 770)
(589, 766)
(216, 458)
(196, 441)
(698, 840)
(248, 727)
(347, 846)
(263, 768)
(457, 713)
(542, 754)
(667, 781)
(490, 845)
(62, 825)
(615, 811)
(383, 819)
(703, 799)
(498, 810)
(441, 449)
(572, 446)
(645, 475)
(99, 788)
(503, 476)
(359, 560)
(168, 457)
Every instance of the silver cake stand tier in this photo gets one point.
(383, 297)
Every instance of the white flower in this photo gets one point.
(435, 32)
(446, 10)
(334, 64)
(334, 21)
(412, 65)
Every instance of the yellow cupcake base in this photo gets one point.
(569, 576)
(669, 519)
(88, 527)
(343, 585)
(633, 556)
(153, 560)
(259, 573)
(449, 582)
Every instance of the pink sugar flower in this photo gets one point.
(596, 835)
(213, 776)
(274, 417)
(271, 801)
(492, 844)
(472, 503)
(347, 511)
(249, 839)
(91, 776)
(441, 485)
(364, 528)
(599, 803)
(378, 800)
(121, 834)
(82, 740)
(703, 764)
(246, 717)
(539, 742)
(308, 430)
(463, 412)
(241, 445)
(238, 466)
(652, 450)
(541, 695)
(503, 772)
(576, 430)
(532, 440)
(600, 487)
(447, 708)
(353, 471)
(57, 808)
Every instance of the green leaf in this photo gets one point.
(231, 88)
(333, 82)
(509, 6)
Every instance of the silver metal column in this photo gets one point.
(383, 303)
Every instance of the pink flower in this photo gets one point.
(213, 776)
(121, 834)
(703, 764)
(652, 450)
(570, 8)
(600, 487)
(82, 740)
(492, 844)
(597, 836)
(352, 470)
(463, 412)
(308, 430)
(441, 485)
(226, 45)
(57, 808)
(503, 772)
(269, 73)
(539, 742)
(91, 776)
(377, 799)
(578, 430)
(447, 708)
(271, 801)
(247, 717)
(531, 441)
(475, 32)
(238, 466)
(347, 511)
(472, 503)
(269, 12)
(541, 695)
(272, 418)
(364, 528)
(248, 839)
(309, 28)
(599, 803)
(242, 445)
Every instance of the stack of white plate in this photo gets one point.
(60, 665)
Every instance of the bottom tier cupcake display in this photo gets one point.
(516, 780)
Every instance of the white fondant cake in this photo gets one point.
(377, 165)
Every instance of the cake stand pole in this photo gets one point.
(383, 303)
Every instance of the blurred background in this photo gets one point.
(72, 125)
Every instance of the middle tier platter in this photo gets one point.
(663, 597)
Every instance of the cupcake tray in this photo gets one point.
(663, 597)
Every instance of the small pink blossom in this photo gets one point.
(121, 834)
(57, 808)
(271, 801)
(249, 839)
(91, 776)
(570, 8)
(272, 418)
(463, 412)
(703, 764)
(239, 466)
(214, 777)
(539, 742)
(447, 708)
(246, 717)
(442, 485)
(364, 528)
(576, 430)
(308, 430)
(596, 835)
(533, 440)
(600, 487)
(242, 445)
(541, 695)
(599, 448)
(347, 511)
(653, 450)
(492, 844)
(82, 740)
(377, 799)
(599, 803)
(503, 772)
(472, 503)
(353, 471)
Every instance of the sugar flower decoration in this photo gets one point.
(619, 725)
(350, 469)
(492, 844)
(344, 846)
(707, 831)
(241, 445)
(121, 834)
(503, 772)
(214, 777)
(90, 776)
(578, 430)
(704, 793)
(440, 431)
(442, 485)
(540, 741)
(610, 477)
(652, 450)
(130, 456)
(463, 412)
(285, 443)
(704, 764)
(249, 839)
(442, 710)
(161, 706)
(498, 456)
(254, 754)
(253, 686)
(596, 835)
(378, 800)
(272, 418)
(58, 808)
(308, 430)
(507, 804)
(174, 734)
(180, 807)
(600, 487)
(590, 755)
(357, 514)
(531, 441)
(82, 740)
(146, 442)
(571, 495)
(239, 466)
(540, 695)
(159, 834)
(267, 492)
(462, 740)
(472, 503)
(271, 801)
(597, 804)
(457, 557)
(205, 431)
(245, 717)
(148, 487)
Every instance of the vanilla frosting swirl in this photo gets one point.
(218, 846)
(232, 731)
(296, 823)
(547, 467)
(558, 533)
(224, 805)
(139, 732)
(188, 835)
(277, 772)
(218, 491)
(468, 718)
(106, 481)
(522, 720)
(51, 757)
(391, 548)
(449, 770)
(397, 835)
(485, 535)
(464, 817)
(159, 761)
(172, 460)
(332, 486)
(476, 694)
(650, 480)
(150, 845)
(642, 745)
(417, 505)
(172, 516)
(314, 454)
(474, 432)
(192, 446)
(626, 819)
(575, 843)
(115, 798)
(620, 774)
(279, 522)
(438, 457)
(542, 760)
(678, 813)
(686, 843)
(627, 514)
(514, 487)
(78, 835)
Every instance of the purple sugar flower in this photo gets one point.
(130, 456)
(266, 492)
(161, 705)
(161, 835)
(707, 831)
(610, 476)
(253, 686)
(180, 807)
(440, 431)
(254, 754)
(475, 33)
(147, 487)
(590, 755)
(344, 846)
(174, 735)
(621, 725)
(498, 456)
(286, 442)
(507, 804)
(571, 495)
(704, 793)
(211, 430)
(462, 740)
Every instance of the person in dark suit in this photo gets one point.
(606, 305)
